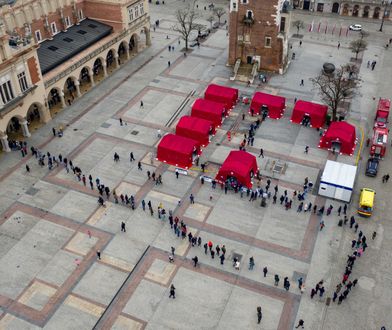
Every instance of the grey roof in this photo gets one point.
(65, 45)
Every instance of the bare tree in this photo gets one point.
(358, 46)
(298, 25)
(186, 22)
(219, 12)
(337, 87)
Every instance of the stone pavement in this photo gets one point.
(51, 225)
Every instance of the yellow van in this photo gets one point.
(366, 201)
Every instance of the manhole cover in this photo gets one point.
(106, 125)
(278, 168)
(135, 132)
(32, 191)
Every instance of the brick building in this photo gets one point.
(258, 32)
(52, 52)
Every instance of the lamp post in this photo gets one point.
(384, 15)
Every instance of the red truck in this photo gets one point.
(382, 112)
(379, 142)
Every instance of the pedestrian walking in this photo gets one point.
(205, 248)
(54, 131)
(374, 235)
(27, 168)
(276, 278)
(172, 292)
(123, 227)
(121, 121)
(261, 153)
(192, 199)
(306, 149)
(356, 227)
(265, 271)
(131, 157)
(338, 45)
(139, 166)
(302, 82)
(312, 293)
(141, 104)
(352, 221)
(195, 261)
(335, 296)
(177, 173)
(300, 282)
(99, 254)
(300, 324)
(259, 314)
(339, 210)
(222, 258)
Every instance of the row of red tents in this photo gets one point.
(193, 132)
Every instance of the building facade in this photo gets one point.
(53, 51)
(358, 8)
(258, 32)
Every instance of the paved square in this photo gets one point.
(51, 226)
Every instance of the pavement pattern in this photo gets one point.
(51, 226)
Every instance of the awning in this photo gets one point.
(274, 103)
(239, 164)
(315, 111)
(209, 110)
(222, 94)
(195, 128)
(177, 150)
(342, 133)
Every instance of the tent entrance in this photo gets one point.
(336, 146)
(232, 182)
(264, 111)
(305, 120)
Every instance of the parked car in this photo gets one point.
(204, 34)
(372, 167)
(194, 43)
(356, 27)
(215, 25)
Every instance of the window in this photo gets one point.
(136, 12)
(282, 24)
(267, 42)
(38, 36)
(53, 27)
(245, 1)
(249, 14)
(6, 92)
(23, 81)
(141, 9)
(234, 5)
(67, 21)
(130, 13)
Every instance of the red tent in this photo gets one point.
(341, 136)
(177, 150)
(309, 113)
(195, 128)
(209, 110)
(240, 165)
(222, 94)
(274, 103)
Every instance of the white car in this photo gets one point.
(356, 27)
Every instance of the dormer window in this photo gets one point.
(249, 14)
(245, 2)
